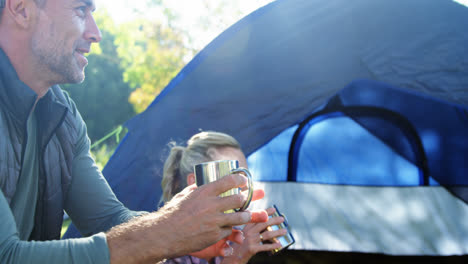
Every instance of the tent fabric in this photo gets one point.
(277, 65)
(269, 72)
(389, 220)
(329, 212)
(373, 143)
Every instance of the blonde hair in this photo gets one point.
(200, 148)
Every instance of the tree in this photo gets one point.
(137, 59)
(151, 54)
(103, 97)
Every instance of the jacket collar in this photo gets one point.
(19, 99)
(15, 95)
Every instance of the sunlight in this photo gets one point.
(463, 2)
(191, 15)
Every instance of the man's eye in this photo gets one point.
(81, 11)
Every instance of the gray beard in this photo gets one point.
(62, 68)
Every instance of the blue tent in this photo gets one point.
(353, 115)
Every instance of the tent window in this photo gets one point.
(357, 146)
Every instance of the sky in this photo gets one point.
(190, 12)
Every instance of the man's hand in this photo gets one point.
(191, 221)
(223, 248)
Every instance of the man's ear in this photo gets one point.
(191, 179)
(21, 11)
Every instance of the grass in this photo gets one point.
(65, 225)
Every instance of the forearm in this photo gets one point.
(171, 232)
(193, 220)
(145, 239)
(13, 250)
(84, 250)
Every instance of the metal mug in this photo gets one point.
(214, 170)
(286, 240)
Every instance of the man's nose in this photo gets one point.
(92, 32)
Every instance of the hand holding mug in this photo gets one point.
(214, 170)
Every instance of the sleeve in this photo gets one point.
(90, 202)
(12, 250)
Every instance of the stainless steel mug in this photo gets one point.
(286, 240)
(214, 170)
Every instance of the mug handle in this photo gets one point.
(249, 185)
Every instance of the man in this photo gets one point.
(45, 163)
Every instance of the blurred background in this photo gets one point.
(144, 45)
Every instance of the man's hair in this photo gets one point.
(39, 3)
(2, 4)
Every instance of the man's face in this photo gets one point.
(63, 34)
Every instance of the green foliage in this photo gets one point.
(102, 154)
(151, 54)
(103, 97)
(65, 225)
(126, 70)
(132, 64)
